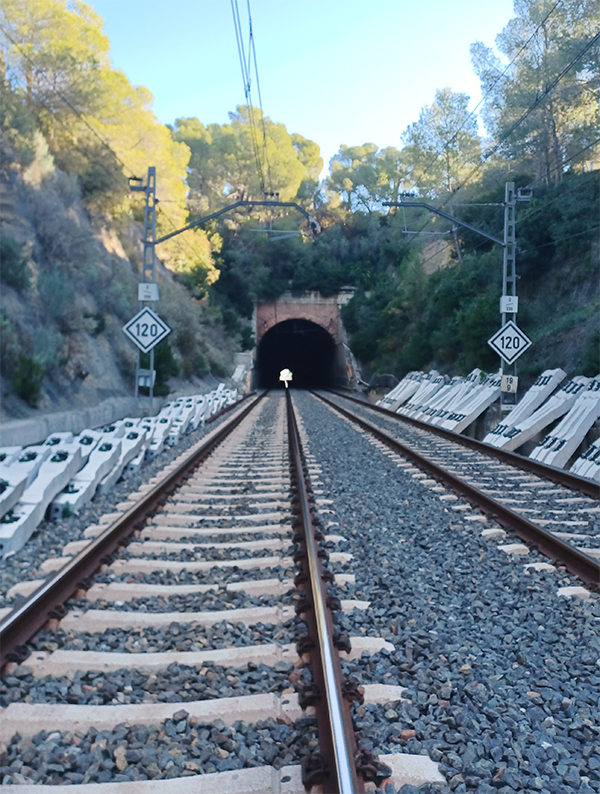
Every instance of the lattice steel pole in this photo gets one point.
(509, 267)
(149, 256)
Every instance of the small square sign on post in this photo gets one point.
(509, 342)
(147, 292)
(509, 304)
(509, 384)
(146, 378)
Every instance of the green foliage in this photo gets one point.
(59, 81)
(443, 145)
(401, 318)
(591, 356)
(412, 321)
(165, 365)
(563, 121)
(193, 358)
(247, 340)
(100, 320)
(14, 270)
(364, 176)
(17, 126)
(27, 380)
(57, 294)
(223, 167)
(10, 346)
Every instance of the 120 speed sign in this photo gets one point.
(146, 329)
(509, 342)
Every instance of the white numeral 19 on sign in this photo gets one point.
(510, 384)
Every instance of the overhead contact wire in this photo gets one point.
(247, 90)
(264, 129)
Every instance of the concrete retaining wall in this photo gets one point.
(34, 431)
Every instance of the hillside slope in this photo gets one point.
(411, 318)
(69, 283)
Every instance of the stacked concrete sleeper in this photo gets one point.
(57, 478)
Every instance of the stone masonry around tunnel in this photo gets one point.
(304, 333)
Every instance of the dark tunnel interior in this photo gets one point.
(303, 347)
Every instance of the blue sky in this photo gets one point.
(335, 71)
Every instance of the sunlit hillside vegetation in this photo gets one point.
(73, 129)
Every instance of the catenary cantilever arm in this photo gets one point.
(444, 215)
(315, 224)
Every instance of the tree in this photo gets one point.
(95, 122)
(56, 56)
(309, 155)
(239, 160)
(364, 176)
(443, 145)
(561, 122)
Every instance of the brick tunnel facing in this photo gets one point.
(304, 347)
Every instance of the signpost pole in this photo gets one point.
(509, 272)
(149, 258)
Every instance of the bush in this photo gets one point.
(247, 339)
(58, 297)
(97, 322)
(13, 265)
(27, 380)
(10, 346)
(165, 364)
(591, 357)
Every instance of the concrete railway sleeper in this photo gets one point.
(560, 523)
(169, 649)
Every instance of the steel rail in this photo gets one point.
(334, 711)
(559, 476)
(47, 601)
(575, 561)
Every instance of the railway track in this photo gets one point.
(195, 594)
(291, 604)
(551, 510)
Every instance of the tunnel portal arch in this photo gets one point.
(304, 347)
(304, 332)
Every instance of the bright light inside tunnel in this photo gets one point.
(300, 346)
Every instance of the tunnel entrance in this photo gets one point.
(302, 346)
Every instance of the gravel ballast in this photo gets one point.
(178, 747)
(220, 576)
(175, 637)
(502, 675)
(177, 683)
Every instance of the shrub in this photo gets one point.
(165, 364)
(247, 339)
(97, 322)
(67, 187)
(27, 380)
(591, 357)
(14, 270)
(49, 348)
(57, 297)
(10, 346)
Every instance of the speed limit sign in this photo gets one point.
(509, 342)
(146, 329)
